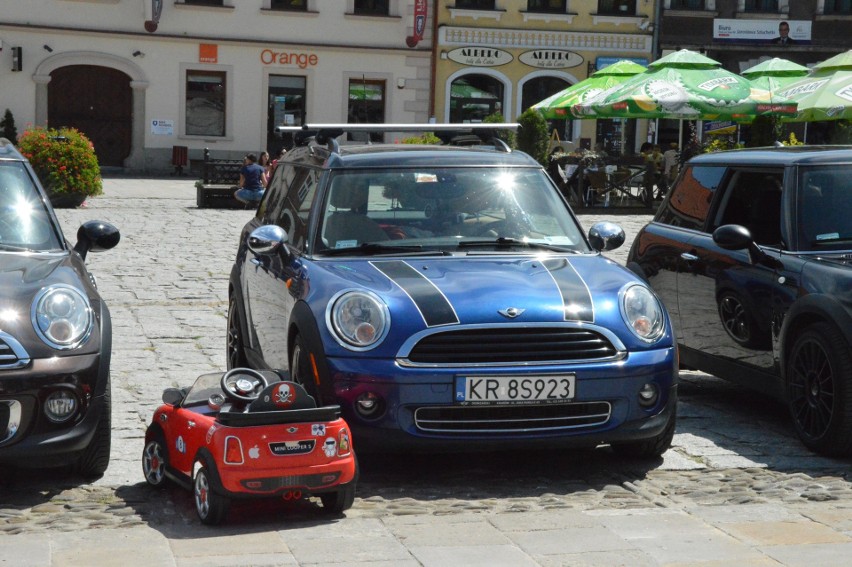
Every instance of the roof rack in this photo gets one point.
(450, 134)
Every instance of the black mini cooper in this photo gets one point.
(752, 255)
(55, 332)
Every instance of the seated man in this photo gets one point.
(347, 225)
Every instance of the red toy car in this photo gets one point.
(248, 433)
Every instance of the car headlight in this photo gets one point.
(643, 313)
(62, 316)
(359, 320)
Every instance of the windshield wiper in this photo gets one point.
(503, 242)
(373, 248)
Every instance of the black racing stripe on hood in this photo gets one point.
(576, 297)
(434, 307)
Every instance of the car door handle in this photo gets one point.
(688, 257)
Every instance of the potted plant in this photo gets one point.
(65, 162)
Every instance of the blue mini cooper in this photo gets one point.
(447, 299)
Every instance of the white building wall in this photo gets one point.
(109, 32)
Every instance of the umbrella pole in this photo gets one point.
(806, 133)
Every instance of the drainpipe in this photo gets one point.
(433, 67)
(658, 22)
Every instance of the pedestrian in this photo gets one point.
(274, 164)
(264, 162)
(252, 181)
(670, 163)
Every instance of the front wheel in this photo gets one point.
(649, 448)
(94, 460)
(210, 505)
(236, 357)
(819, 390)
(154, 460)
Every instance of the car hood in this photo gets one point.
(485, 290)
(22, 276)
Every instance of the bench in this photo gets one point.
(220, 178)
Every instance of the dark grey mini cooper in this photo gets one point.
(55, 332)
(752, 255)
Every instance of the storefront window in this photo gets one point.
(205, 103)
(838, 7)
(761, 5)
(292, 5)
(371, 7)
(687, 4)
(538, 89)
(617, 7)
(286, 98)
(549, 6)
(617, 135)
(204, 2)
(475, 4)
(366, 106)
(473, 97)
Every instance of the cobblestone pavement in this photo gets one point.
(736, 488)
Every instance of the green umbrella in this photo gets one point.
(685, 85)
(774, 75)
(558, 106)
(825, 94)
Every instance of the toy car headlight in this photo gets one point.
(359, 320)
(62, 316)
(642, 313)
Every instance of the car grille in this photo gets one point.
(12, 354)
(511, 419)
(512, 345)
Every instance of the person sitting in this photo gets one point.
(348, 224)
(252, 181)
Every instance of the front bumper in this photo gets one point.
(27, 437)
(403, 391)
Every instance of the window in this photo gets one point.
(540, 88)
(476, 4)
(473, 97)
(617, 7)
(761, 5)
(205, 103)
(204, 2)
(371, 7)
(291, 5)
(366, 106)
(547, 6)
(838, 7)
(691, 197)
(687, 5)
(286, 107)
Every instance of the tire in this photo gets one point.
(94, 459)
(234, 348)
(210, 505)
(340, 500)
(819, 390)
(301, 370)
(649, 448)
(155, 459)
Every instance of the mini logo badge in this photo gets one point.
(510, 312)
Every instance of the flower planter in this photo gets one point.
(66, 200)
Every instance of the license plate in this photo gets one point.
(514, 389)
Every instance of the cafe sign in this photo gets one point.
(480, 56)
(550, 58)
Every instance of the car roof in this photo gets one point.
(778, 156)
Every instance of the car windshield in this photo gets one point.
(25, 224)
(205, 386)
(825, 208)
(427, 209)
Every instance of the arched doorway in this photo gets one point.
(473, 97)
(98, 101)
(539, 88)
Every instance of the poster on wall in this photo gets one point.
(162, 127)
(767, 32)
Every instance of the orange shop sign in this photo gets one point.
(208, 53)
(302, 60)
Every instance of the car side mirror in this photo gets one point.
(173, 396)
(267, 239)
(738, 237)
(96, 236)
(605, 236)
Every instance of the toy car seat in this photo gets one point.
(282, 396)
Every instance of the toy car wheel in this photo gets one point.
(235, 353)
(210, 505)
(649, 448)
(94, 459)
(154, 460)
(337, 502)
(819, 390)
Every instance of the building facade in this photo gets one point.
(506, 55)
(140, 77)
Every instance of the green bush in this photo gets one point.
(532, 135)
(63, 159)
(506, 135)
(426, 138)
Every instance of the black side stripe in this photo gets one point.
(432, 304)
(576, 296)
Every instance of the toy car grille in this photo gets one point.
(512, 345)
(507, 419)
(12, 354)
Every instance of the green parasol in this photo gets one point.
(825, 94)
(774, 75)
(558, 106)
(685, 85)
